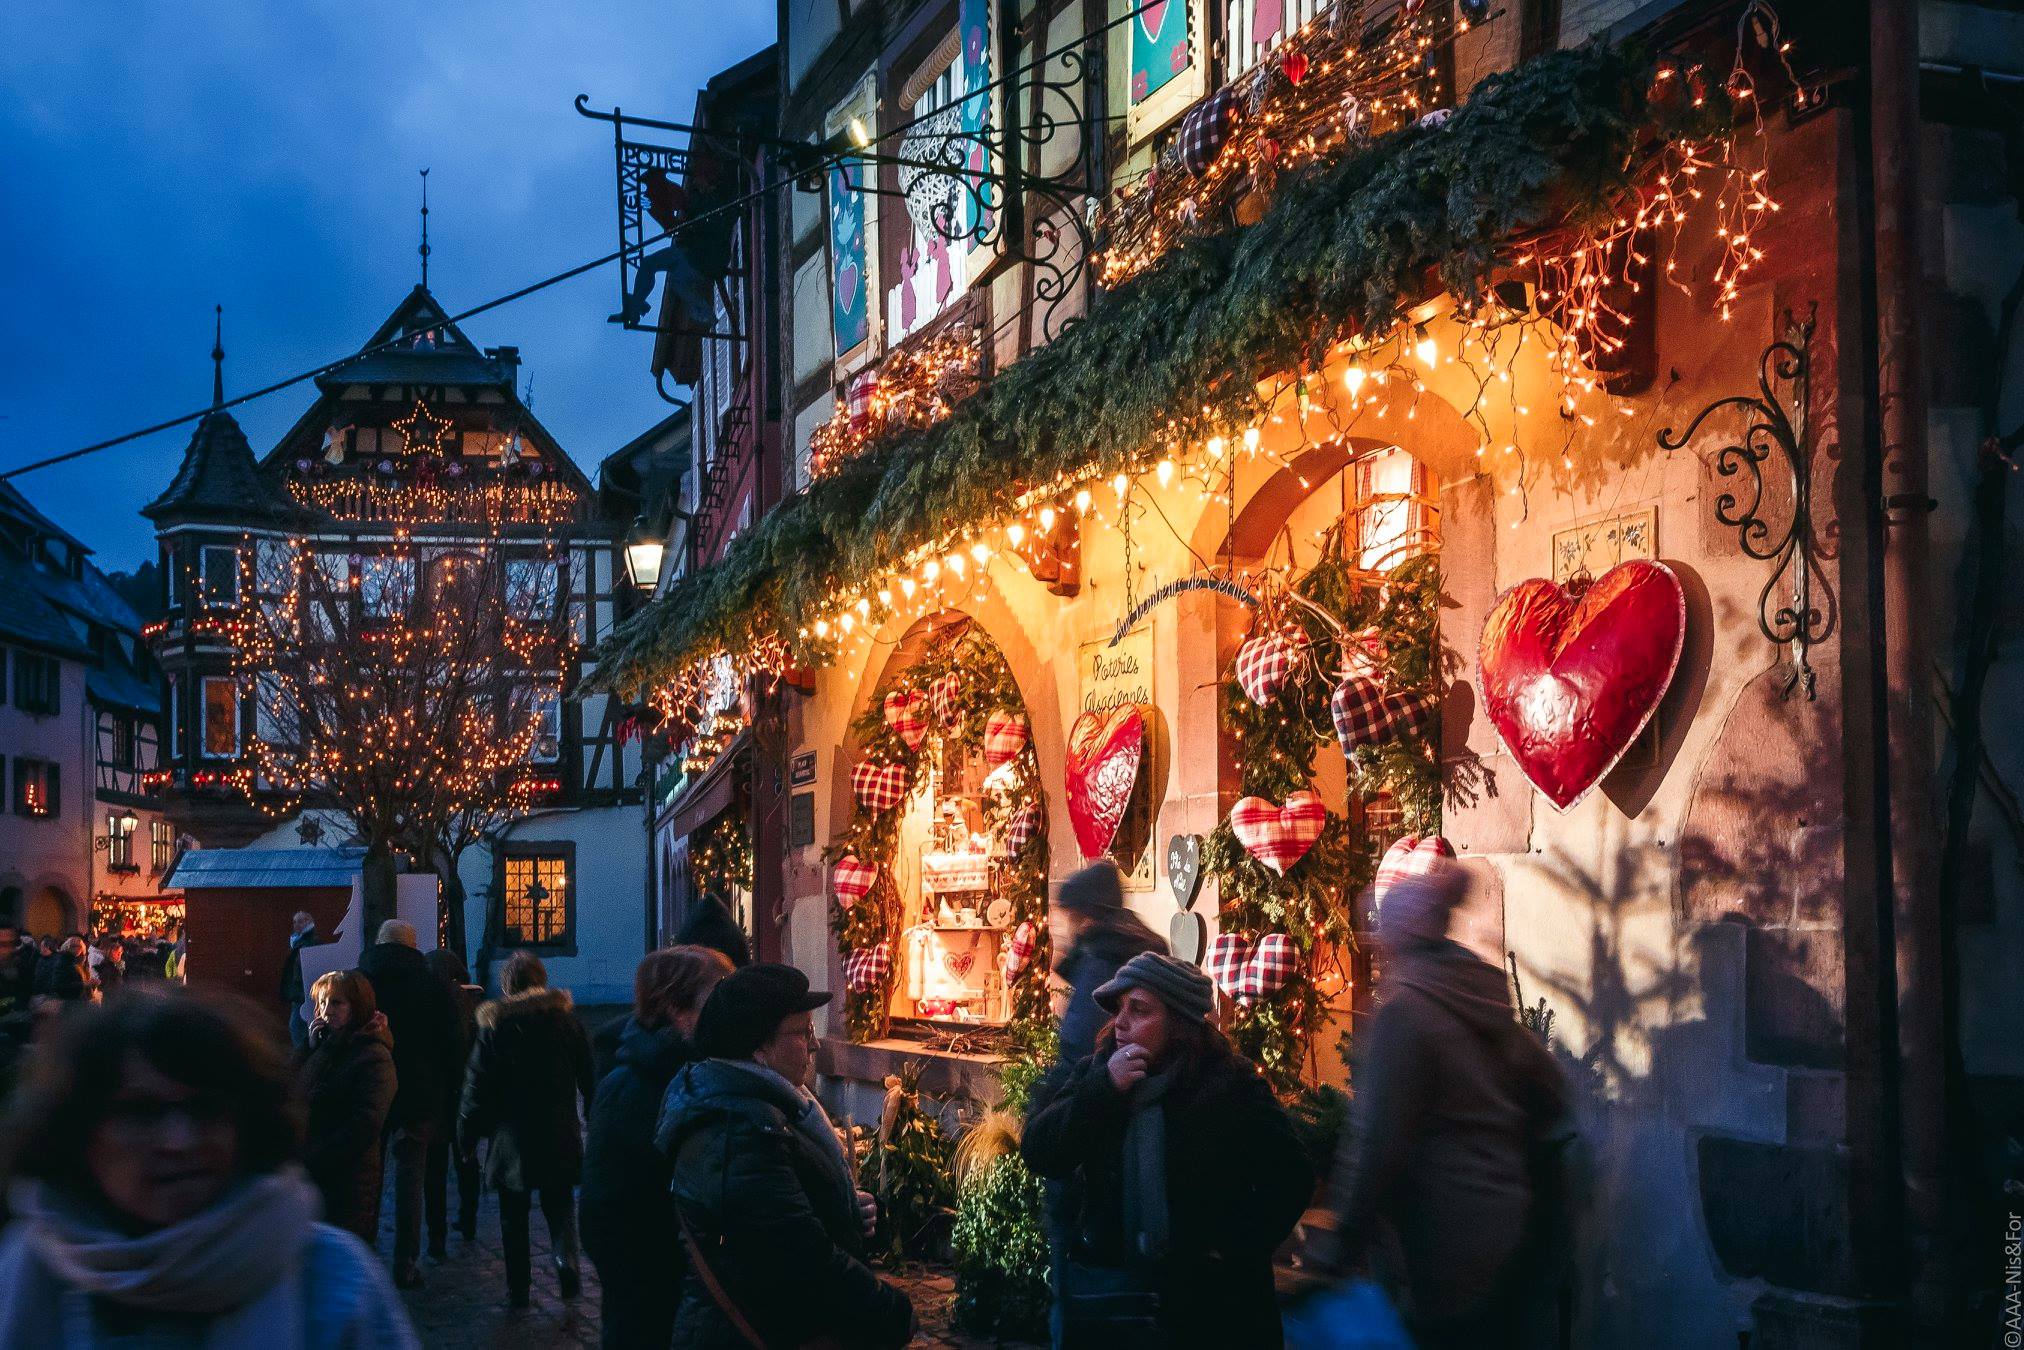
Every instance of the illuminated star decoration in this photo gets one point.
(310, 831)
(423, 430)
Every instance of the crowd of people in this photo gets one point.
(178, 1178)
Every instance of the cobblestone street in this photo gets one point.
(462, 1302)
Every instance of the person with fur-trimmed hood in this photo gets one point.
(528, 1068)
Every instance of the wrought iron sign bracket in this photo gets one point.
(1796, 609)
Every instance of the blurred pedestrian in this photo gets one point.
(428, 1056)
(465, 997)
(629, 1226)
(1449, 1185)
(1093, 935)
(302, 933)
(108, 965)
(1185, 1173)
(529, 1066)
(775, 1226)
(62, 975)
(349, 1079)
(156, 1198)
(711, 924)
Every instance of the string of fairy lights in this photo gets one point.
(1555, 311)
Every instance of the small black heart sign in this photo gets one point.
(1184, 868)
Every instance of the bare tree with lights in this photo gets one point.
(409, 689)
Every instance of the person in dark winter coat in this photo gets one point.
(1449, 1183)
(427, 1054)
(1186, 1172)
(711, 925)
(763, 1186)
(448, 967)
(348, 1079)
(1094, 936)
(63, 974)
(629, 1226)
(530, 1064)
(302, 933)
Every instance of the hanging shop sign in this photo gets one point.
(850, 189)
(1114, 755)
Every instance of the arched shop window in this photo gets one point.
(938, 882)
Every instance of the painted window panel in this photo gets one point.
(221, 717)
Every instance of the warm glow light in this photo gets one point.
(1424, 348)
(1251, 437)
(1047, 518)
(1015, 534)
(1353, 378)
(907, 587)
(1082, 500)
(1164, 472)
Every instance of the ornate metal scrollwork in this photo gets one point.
(1797, 607)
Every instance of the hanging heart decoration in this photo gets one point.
(1278, 836)
(852, 879)
(1264, 662)
(1019, 950)
(1227, 956)
(943, 693)
(1295, 66)
(1366, 715)
(1005, 735)
(865, 969)
(960, 963)
(878, 787)
(1021, 828)
(1273, 963)
(1571, 677)
(1184, 868)
(1105, 749)
(1411, 856)
(1185, 935)
(903, 709)
(1249, 972)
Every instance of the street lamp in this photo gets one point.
(643, 551)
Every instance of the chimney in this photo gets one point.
(508, 360)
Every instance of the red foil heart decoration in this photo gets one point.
(1105, 748)
(1570, 680)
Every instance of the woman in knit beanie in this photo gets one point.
(1184, 1172)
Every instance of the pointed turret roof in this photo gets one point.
(220, 480)
(427, 349)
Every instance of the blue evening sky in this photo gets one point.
(161, 156)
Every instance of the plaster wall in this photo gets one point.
(49, 858)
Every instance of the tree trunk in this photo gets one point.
(453, 906)
(379, 873)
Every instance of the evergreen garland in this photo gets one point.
(984, 685)
(1171, 357)
(1276, 745)
(720, 859)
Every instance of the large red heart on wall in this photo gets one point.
(1571, 679)
(1105, 748)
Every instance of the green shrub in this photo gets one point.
(1001, 1253)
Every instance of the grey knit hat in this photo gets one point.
(1095, 890)
(1175, 983)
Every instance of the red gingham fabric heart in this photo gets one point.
(1019, 951)
(1264, 662)
(865, 969)
(878, 787)
(1021, 829)
(1228, 955)
(1278, 836)
(1004, 736)
(1366, 715)
(903, 708)
(852, 879)
(1411, 856)
(1273, 962)
(942, 695)
(1364, 654)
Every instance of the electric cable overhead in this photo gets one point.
(826, 155)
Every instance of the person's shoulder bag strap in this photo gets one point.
(722, 1299)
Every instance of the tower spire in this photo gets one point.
(218, 359)
(424, 250)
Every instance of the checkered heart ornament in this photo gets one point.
(865, 969)
(943, 692)
(1251, 972)
(1022, 828)
(1278, 836)
(1265, 662)
(852, 879)
(905, 713)
(1005, 735)
(1019, 951)
(1411, 856)
(877, 786)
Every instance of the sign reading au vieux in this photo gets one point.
(1108, 676)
